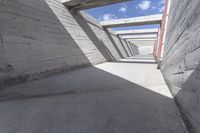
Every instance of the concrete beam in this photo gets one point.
(135, 32)
(143, 42)
(153, 36)
(132, 40)
(143, 20)
(86, 4)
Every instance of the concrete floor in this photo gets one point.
(119, 97)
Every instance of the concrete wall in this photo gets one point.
(144, 47)
(181, 61)
(42, 37)
(133, 48)
(145, 50)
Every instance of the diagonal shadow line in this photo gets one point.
(93, 37)
(134, 50)
(113, 42)
(127, 44)
(129, 47)
(125, 97)
(48, 71)
(123, 45)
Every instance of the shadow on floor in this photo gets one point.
(87, 100)
(114, 43)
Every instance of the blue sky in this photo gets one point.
(128, 9)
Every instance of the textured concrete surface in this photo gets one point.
(43, 36)
(181, 60)
(116, 97)
(85, 4)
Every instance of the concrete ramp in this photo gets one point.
(115, 97)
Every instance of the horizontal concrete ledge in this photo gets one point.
(153, 36)
(86, 4)
(143, 43)
(135, 32)
(136, 21)
(132, 40)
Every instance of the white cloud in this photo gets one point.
(108, 16)
(123, 9)
(159, 6)
(161, 9)
(144, 5)
(162, 2)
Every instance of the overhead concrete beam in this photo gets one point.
(153, 36)
(135, 32)
(143, 43)
(86, 4)
(132, 40)
(136, 21)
